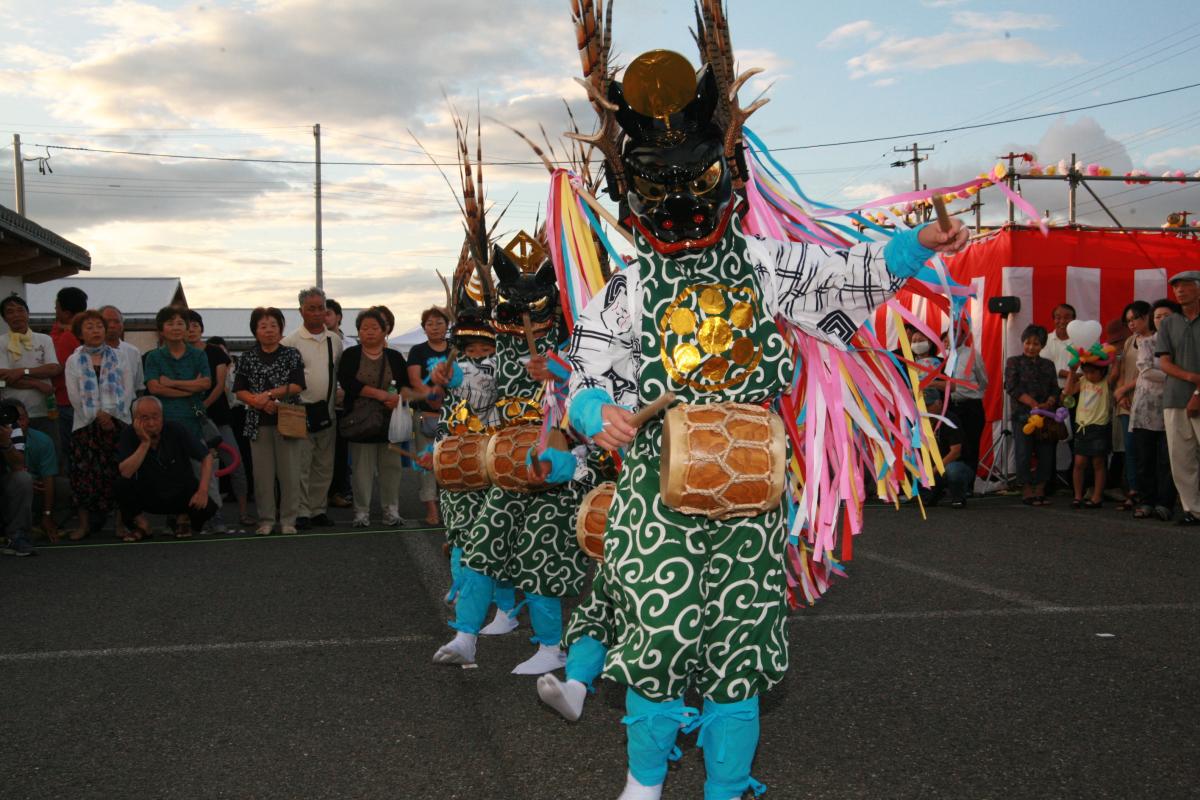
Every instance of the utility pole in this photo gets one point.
(915, 161)
(1011, 177)
(19, 174)
(317, 196)
(1072, 182)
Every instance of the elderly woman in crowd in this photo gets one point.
(372, 372)
(267, 374)
(436, 324)
(1156, 487)
(1032, 383)
(99, 386)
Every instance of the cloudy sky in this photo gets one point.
(244, 80)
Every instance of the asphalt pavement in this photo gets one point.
(998, 651)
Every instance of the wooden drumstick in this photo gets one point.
(650, 411)
(943, 219)
(528, 326)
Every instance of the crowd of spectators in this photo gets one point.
(1132, 425)
(93, 431)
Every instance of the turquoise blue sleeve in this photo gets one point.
(456, 376)
(562, 464)
(585, 411)
(905, 255)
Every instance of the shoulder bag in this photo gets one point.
(368, 419)
(317, 414)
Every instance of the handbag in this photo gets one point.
(1052, 431)
(368, 419)
(291, 421)
(318, 416)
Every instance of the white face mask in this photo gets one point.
(920, 348)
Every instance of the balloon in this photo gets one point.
(1083, 333)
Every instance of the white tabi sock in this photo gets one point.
(546, 659)
(635, 791)
(564, 697)
(501, 624)
(459, 650)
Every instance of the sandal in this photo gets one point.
(1142, 512)
(1077, 503)
(1041, 500)
(1092, 504)
(1029, 501)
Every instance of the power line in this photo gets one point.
(1077, 82)
(919, 134)
(537, 163)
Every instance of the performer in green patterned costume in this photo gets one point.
(700, 603)
(469, 407)
(526, 539)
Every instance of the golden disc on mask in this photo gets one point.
(513, 409)
(462, 414)
(743, 351)
(712, 301)
(715, 335)
(475, 424)
(686, 357)
(658, 83)
(715, 368)
(741, 315)
(683, 321)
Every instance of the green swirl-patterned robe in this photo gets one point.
(528, 539)
(478, 391)
(698, 602)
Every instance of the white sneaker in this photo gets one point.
(635, 791)
(391, 517)
(361, 521)
(501, 624)
(287, 529)
(565, 697)
(459, 650)
(546, 659)
(264, 529)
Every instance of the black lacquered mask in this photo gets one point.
(521, 291)
(680, 190)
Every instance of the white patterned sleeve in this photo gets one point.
(601, 352)
(828, 293)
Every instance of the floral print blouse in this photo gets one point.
(259, 371)
(1035, 377)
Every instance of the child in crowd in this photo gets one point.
(1093, 429)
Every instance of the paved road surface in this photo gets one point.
(997, 652)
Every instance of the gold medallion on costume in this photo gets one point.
(706, 335)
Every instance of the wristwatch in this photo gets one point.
(27, 372)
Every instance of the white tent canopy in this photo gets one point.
(407, 340)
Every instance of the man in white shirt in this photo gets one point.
(129, 356)
(1056, 342)
(28, 364)
(320, 350)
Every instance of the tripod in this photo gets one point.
(1001, 448)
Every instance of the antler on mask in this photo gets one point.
(593, 34)
(716, 48)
